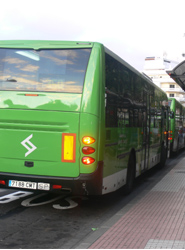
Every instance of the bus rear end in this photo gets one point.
(49, 136)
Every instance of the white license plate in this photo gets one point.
(43, 186)
(29, 185)
(22, 184)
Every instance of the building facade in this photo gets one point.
(155, 68)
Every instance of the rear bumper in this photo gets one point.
(84, 184)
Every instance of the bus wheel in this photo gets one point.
(163, 156)
(131, 170)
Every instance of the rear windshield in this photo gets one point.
(56, 70)
(169, 103)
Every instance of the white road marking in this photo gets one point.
(72, 204)
(27, 202)
(30, 201)
(13, 196)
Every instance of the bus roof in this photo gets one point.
(43, 44)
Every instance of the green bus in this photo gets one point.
(177, 124)
(76, 117)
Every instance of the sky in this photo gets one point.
(133, 29)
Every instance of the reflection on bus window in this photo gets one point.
(44, 70)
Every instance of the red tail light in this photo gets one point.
(2, 182)
(57, 186)
(170, 135)
(87, 160)
(88, 150)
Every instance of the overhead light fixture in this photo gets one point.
(29, 54)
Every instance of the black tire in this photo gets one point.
(131, 172)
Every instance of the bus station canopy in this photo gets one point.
(178, 74)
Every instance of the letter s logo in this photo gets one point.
(31, 148)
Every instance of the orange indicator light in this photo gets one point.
(88, 140)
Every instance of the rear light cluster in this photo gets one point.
(169, 135)
(69, 149)
(87, 150)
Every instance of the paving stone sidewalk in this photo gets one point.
(156, 221)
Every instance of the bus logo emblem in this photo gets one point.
(30, 147)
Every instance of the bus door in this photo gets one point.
(145, 132)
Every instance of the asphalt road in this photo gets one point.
(29, 220)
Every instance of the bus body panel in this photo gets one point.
(21, 131)
(40, 101)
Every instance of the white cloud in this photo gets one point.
(133, 29)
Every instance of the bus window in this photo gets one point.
(138, 89)
(112, 74)
(131, 124)
(140, 118)
(125, 82)
(51, 70)
(136, 118)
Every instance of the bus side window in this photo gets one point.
(126, 82)
(158, 119)
(152, 123)
(140, 118)
(131, 118)
(112, 74)
(111, 91)
(138, 89)
(111, 111)
(136, 118)
(126, 119)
